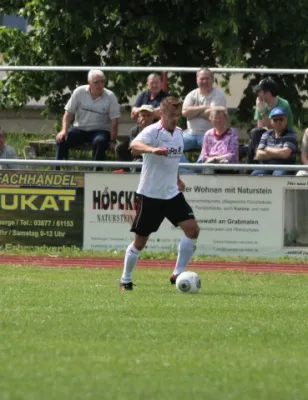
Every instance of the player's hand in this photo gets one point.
(160, 151)
(181, 185)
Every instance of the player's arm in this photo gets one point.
(181, 184)
(138, 147)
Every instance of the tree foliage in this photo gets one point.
(228, 33)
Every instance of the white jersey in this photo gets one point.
(159, 174)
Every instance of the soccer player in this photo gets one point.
(160, 190)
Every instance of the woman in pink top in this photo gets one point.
(220, 144)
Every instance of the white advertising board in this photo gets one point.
(238, 215)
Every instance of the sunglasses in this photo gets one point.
(278, 119)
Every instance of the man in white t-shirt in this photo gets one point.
(159, 191)
(97, 113)
(196, 108)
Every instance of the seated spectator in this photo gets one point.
(221, 143)
(97, 115)
(195, 109)
(145, 117)
(278, 145)
(304, 154)
(267, 99)
(152, 96)
(7, 152)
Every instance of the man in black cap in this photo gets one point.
(267, 100)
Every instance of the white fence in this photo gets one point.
(134, 164)
(245, 216)
(155, 69)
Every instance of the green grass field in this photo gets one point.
(71, 334)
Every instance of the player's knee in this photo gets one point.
(139, 246)
(193, 231)
(140, 242)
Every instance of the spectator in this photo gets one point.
(145, 117)
(97, 115)
(278, 145)
(7, 152)
(267, 99)
(221, 143)
(304, 154)
(152, 96)
(195, 109)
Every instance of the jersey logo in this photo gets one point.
(172, 151)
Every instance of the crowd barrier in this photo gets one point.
(240, 215)
(72, 68)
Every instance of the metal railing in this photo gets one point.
(134, 164)
(154, 69)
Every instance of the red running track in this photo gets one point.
(91, 262)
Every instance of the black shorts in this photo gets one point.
(151, 212)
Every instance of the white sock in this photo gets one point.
(186, 249)
(130, 261)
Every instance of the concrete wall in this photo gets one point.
(29, 120)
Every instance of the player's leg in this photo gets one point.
(149, 216)
(131, 257)
(181, 214)
(187, 245)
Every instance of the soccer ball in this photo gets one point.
(188, 282)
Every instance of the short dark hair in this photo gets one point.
(267, 85)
